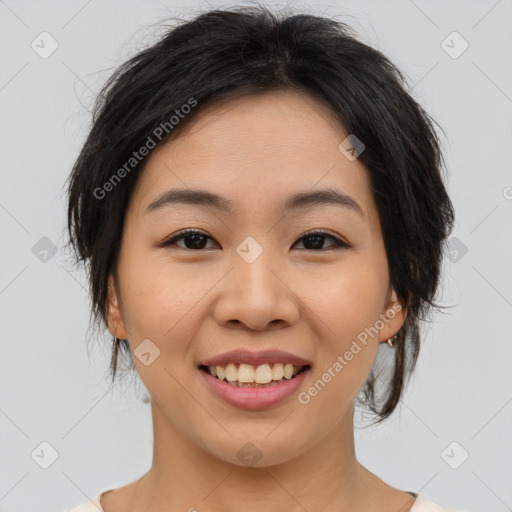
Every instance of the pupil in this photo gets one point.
(196, 243)
(319, 241)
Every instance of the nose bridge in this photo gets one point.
(253, 293)
(253, 263)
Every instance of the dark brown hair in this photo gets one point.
(225, 54)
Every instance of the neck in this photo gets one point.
(326, 477)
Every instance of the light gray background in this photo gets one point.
(54, 390)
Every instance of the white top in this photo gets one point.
(421, 504)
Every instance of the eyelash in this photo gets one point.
(190, 231)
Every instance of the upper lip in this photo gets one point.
(255, 358)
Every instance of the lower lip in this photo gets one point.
(254, 398)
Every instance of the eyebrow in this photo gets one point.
(301, 200)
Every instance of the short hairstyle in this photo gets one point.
(225, 54)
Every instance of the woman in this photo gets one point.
(261, 209)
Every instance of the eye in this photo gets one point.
(315, 239)
(196, 240)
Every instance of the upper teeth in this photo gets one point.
(262, 374)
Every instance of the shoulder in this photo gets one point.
(90, 506)
(423, 504)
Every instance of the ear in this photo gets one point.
(393, 316)
(116, 324)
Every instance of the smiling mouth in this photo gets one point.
(254, 376)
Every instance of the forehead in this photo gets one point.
(256, 150)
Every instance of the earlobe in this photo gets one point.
(393, 316)
(116, 324)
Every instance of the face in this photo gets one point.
(250, 278)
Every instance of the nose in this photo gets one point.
(257, 295)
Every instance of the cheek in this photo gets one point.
(164, 303)
(156, 295)
(347, 308)
(349, 299)
(158, 305)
